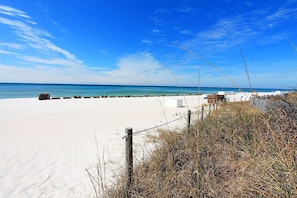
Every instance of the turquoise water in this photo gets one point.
(28, 90)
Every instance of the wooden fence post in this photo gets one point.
(189, 121)
(202, 109)
(209, 109)
(129, 160)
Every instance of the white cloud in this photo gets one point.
(54, 61)
(146, 41)
(245, 27)
(162, 11)
(7, 52)
(157, 20)
(136, 64)
(186, 32)
(227, 33)
(281, 14)
(135, 69)
(12, 45)
(184, 8)
(13, 12)
(34, 39)
(142, 68)
(155, 31)
(46, 74)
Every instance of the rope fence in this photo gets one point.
(158, 126)
(193, 114)
(129, 141)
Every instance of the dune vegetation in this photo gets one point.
(237, 151)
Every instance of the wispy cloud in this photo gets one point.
(12, 45)
(13, 12)
(54, 61)
(156, 31)
(30, 37)
(139, 68)
(186, 32)
(49, 18)
(157, 20)
(247, 27)
(185, 8)
(143, 67)
(146, 41)
(135, 64)
(7, 52)
(162, 11)
(280, 15)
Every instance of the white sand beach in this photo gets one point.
(46, 146)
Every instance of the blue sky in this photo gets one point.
(150, 42)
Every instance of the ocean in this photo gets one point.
(31, 90)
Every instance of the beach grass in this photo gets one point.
(237, 151)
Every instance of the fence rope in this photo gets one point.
(195, 114)
(148, 129)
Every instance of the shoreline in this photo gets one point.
(147, 95)
(66, 90)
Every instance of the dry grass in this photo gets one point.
(235, 152)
